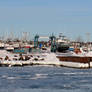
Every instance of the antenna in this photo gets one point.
(88, 36)
(24, 36)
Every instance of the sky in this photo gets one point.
(73, 18)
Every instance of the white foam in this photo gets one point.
(39, 76)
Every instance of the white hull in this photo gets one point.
(44, 59)
(49, 59)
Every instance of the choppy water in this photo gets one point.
(45, 79)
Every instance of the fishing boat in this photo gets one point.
(62, 44)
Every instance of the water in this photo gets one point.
(45, 79)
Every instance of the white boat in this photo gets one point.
(70, 59)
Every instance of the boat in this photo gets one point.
(69, 59)
(2, 46)
(62, 44)
(9, 48)
(61, 47)
(76, 59)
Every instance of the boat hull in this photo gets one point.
(75, 59)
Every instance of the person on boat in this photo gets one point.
(21, 57)
(27, 58)
(7, 58)
(77, 50)
(1, 58)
